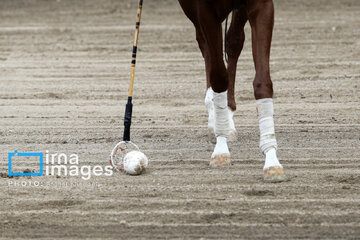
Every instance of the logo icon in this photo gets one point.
(19, 154)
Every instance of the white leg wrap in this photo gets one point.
(265, 111)
(231, 121)
(210, 108)
(211, 113)
(222, 122)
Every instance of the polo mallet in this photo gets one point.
(125, 146)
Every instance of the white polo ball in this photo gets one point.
(135, 163)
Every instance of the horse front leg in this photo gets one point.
(235, 38)
(210, 32)
(261, 17)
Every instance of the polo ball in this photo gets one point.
(135, 163)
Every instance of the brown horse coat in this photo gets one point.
(207, 17)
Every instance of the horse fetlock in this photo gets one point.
(265, 112)
(222, 120)
(211, 121)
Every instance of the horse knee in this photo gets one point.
(263, 87)
(219, 79)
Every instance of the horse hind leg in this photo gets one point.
(235, 38)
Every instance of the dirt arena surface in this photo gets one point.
(64, 73)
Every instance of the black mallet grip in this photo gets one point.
(127, 120)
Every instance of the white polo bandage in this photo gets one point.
(265, 112)
(222, 123)
(210, 107)
(209, 98)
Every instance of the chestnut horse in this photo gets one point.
(207, 17)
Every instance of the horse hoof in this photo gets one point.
(274, 174)
(220, 160)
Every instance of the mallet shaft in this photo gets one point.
(133, 61)
(129, 105)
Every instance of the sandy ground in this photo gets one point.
(64, 72)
